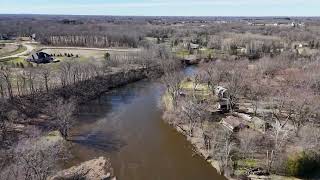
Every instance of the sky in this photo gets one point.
(164, 7)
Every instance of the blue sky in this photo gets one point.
(164, 7)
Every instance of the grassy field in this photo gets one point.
(14, 62)
(202, 90)
(85, 54)
(80, 53)
(12, 50)
(7, 48)
(182, 53)
(7, 41)
(201, 53)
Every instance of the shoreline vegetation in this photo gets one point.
(251, 109)
(55, 142)
(48, 100)
(240, 135)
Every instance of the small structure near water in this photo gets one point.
(223, 103)
(234, 124)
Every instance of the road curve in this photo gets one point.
(30, 48)
(26, 52)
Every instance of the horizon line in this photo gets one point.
(318, 16)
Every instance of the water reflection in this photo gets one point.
(126, 126)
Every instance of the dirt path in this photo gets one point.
(95, 49)
(28, 50)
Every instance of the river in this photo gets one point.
(126, 126)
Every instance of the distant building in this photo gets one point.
(221, 92)
(242, 50)
(194, 46)
(257, 24)
(33, 37)
(298, 45)
(40, 58)
(302, 45)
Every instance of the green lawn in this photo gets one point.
(182, 53)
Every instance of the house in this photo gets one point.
(297, 25)
(258, 24)
(223, 102)
(194, 46)
(221, 92)
(242, 50)
(298, 45)
(234, 124)
(33, 37)
(302, 45)
(40, 58)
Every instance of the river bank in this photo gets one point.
(33, 106)
(126, 126)
(218, 136)
(32, 110)
(197, 142)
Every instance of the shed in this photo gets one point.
(234, 124)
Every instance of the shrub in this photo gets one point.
(303, 164)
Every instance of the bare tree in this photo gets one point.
(192, 113)
(305, 106)
(280, 138)
(34, 159)
(310, 137)
(45, 73)
(248, 142)
(6, 75)
(3, 128)
(197, 80)
(63, 114)
(172, 81)
(222, 149)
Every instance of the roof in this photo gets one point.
(232, 122)
(220, 91)
(194, 46)
(39, 55)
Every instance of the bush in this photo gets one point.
(303, 164)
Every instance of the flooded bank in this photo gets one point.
(126, 126)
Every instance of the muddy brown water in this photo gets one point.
(126, 126)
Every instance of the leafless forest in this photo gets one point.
(252, 107)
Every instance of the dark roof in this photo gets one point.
(40, 57)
